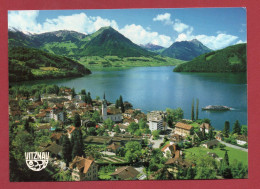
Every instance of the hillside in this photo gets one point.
(102, 49)
(28, 63)
(229, 59)
(109, 42)
(185, 50)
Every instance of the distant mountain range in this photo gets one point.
(104, 42)
(152, 47)
(185, 50)
(229, 59)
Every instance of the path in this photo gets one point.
(234, 146)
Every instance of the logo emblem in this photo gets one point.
(37, 161)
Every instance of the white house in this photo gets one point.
(155, 120)
(241, 139)
(57, 114)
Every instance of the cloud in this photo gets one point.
(240, 41)
(139, 35)
(166, 18)
(219, 41)
(27, 21)
(24, 20)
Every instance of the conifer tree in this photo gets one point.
(226, 129)
(236, 128)
(192, 110)
(66, 150)
(77, 121)
(197, 109)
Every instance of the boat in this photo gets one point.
(216, 108)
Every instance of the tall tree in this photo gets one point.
(197, 109)
(225, 168)
(66, 150)
(226, 129)
(73, 93)
(211, 134)
(192, 110)
(244, 130)
(121, 103)
(83, 92)
(77, 121)
(236, 128)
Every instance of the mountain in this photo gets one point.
(104, 48)
(185, 50)
(104, 42)
(229, 59)
(29, 63)
(152, 47)
(109, 42)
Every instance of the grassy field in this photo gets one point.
(118, 63)
(232, 153)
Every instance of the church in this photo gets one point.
(110, 113)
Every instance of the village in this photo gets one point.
(94, 139)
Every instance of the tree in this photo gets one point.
(108, 123)
(77, 120)
(192, 110)
(117, 129)
(117, 103)
(73, 93)
(77, 144)
(211, 134)
(236, 128)
(133, 151)
(83, 92)
(244, 130)
(225, 168)
(66, 150)
(133, 127)
(155, 134)
(121, 103)
(190, 173)
(92, 131)
(197, 109)
(226, 129)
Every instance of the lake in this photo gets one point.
(158, 88)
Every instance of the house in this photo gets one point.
(57, 114)
(155, 120)
(113, 147)
(183, 129)
(169, 149)
(125, 173)
(83, 169)
(70, 130)
(206, 126)
(219, 136)
(241, 139)
(113, 113)
(211, 143)
(56, 137)
(45, 126)
(176, 138)
(54, 149)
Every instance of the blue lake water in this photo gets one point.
(158, 88)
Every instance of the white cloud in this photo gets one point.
(24, 20)
(27, 21)
(139, 35)
(179, 26)
(219, 41)
(166, 18)
(240, 41)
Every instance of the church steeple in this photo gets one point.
(104, 97)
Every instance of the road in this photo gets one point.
(234, 146)
(156, 143)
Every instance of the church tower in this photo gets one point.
(104, 106)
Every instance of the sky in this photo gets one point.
(216, 28)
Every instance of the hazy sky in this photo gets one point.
(214, 27)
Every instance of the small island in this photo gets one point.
(216, 108)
